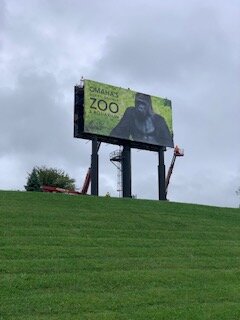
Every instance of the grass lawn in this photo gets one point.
(81, 257)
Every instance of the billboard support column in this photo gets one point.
(161, 175)
(94, 168)
(126, 172)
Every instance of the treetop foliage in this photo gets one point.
(48, 176)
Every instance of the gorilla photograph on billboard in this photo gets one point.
(115, 114)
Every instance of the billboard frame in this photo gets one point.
(79, 132)
(127, 146)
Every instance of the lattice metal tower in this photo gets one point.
(116, 159)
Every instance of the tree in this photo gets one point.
(48, 176)
(33, 183)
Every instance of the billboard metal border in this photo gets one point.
(79, 129)
(127, 145)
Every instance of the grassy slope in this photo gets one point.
(70, 257)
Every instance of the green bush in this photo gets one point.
(48, 176)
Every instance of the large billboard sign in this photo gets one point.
(118, 115)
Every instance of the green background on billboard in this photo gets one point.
(101, 122)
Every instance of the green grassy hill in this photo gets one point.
(78, 257)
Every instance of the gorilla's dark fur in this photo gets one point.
(141, 124)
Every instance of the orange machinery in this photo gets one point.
(177, 153)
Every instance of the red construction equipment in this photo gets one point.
(177, 153)
(86, 182)
(72, 192)
(85, 186)
(59, 190)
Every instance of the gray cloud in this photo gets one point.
(168, 46)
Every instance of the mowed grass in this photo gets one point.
(82, 257)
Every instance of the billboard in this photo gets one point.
(115, 115)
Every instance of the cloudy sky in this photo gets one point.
(187, 51)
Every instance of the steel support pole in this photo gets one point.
(94, 168)
(161, 176)
(126, 172)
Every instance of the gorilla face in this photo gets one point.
(142, 110)
(143, 105)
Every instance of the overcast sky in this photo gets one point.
(187, 51)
